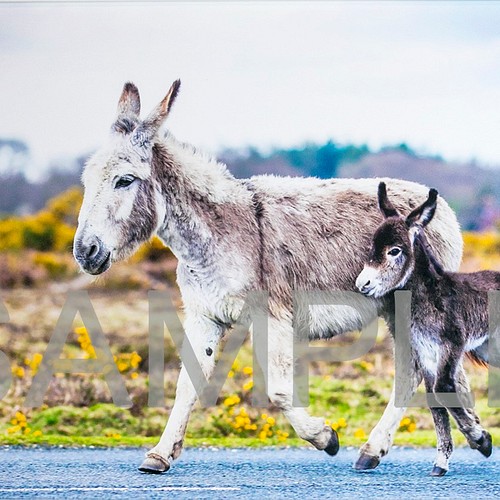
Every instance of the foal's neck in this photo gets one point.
(198, 193)
(427, 270)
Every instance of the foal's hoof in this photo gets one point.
(154, 464)
(438, 471)
(366, 462)
(484, 444)
(332, 448)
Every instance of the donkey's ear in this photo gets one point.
(129, 108)
(145, 132)
(156, 118)
(130, 101)
(423, 214)
(386, 207)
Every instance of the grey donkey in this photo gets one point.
(233, 236)
(449, 314)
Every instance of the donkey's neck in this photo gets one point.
(426, 270)
(198, 192)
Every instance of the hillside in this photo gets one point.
(473, 191)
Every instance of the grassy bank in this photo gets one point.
(418, 439)
(77, 409)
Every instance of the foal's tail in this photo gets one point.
(479, 356)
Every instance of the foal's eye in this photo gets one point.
(394, 251)
(124, 181)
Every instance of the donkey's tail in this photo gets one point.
(479, 356)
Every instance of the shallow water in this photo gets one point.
(242, 473)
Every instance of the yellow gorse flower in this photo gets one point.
(248, 385)
(248, 370)
(341, 423)
(18, 371)
(232, 400)
(83, 339)
(360, 434)
(407, 424)
(20, 425)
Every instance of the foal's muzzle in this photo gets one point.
(365, 282)
(93, 256)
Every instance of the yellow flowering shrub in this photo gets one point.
(52, 262)
(126, 362)
(52, 228)
(65, 207)
(11, 236)
(19, 425)
(153, 250)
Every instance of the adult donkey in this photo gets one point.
(233, 236)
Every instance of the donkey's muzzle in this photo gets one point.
(93, 256)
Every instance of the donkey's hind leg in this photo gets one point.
(441, 419)
(280, 390)
(450, 375)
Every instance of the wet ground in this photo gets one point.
(242, 473)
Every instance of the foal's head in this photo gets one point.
(122, 207)
(392, 255)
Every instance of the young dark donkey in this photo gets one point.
(449, 314)
(233, 236)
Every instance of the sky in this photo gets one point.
(256, 73)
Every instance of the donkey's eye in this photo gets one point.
(124, 181)
(394, 251)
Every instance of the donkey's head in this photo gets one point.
(392, 258)
(121, 206)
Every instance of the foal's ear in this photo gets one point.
(386, 207)
(423, 214)
(148, 128)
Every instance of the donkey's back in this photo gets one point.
(316, 233)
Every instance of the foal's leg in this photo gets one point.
(382, 435)
(462, 383)
(446, 382)
(204, 336)
(443, 432)
(280, 389)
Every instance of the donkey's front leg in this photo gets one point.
(280, 390)
(443, 432)
(382, 435)
(204, 336)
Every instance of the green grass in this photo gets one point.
(354, 393)
(417, 439)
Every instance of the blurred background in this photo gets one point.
(329, 89)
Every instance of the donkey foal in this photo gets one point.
(449, 314)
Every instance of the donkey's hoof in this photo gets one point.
(484, 444)
(366, 462)
(438, 471)
(332, 448)
(154, 464)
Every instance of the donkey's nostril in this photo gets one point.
(92, 251)
(366, 284)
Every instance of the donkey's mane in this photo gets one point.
(202, 156)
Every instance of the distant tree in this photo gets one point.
(14, 155)
(15, 191)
